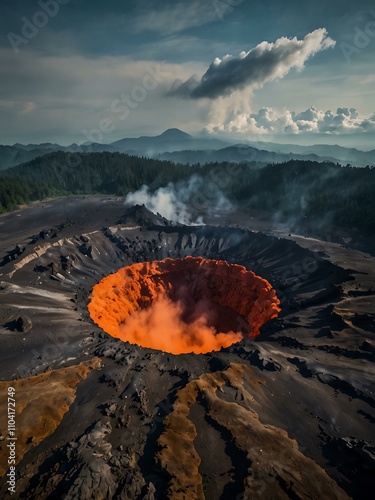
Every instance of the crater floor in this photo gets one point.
(289, 414)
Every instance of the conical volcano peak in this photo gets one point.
(175, 134)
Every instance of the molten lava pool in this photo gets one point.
(183, 305)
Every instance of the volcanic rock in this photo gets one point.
(275, 466)
(244, 408)
(41, 403)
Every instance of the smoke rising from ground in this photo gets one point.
(164, 201)
(172, 201)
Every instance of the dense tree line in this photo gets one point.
(60, 174)
(335, 194)
(87, 173)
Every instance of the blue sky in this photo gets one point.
(76, 69)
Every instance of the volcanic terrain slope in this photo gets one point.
(288, 414)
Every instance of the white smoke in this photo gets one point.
(164, 201)
(182, 202)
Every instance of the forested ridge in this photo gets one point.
(339, 195)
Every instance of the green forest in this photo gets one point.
(340, 195)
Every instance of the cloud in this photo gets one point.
(314, 121)
(17, 107)
(253, 69)
(73, 92)
(175, 17)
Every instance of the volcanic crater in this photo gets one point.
(183, 305)
(168, 361)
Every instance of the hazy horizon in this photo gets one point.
(231, 69)
(362, 143)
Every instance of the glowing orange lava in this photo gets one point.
(183, 305)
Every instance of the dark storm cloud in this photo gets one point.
(266, 62)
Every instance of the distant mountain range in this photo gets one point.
(179, 147)
(238, 153)
(14, 155)
(344, 155)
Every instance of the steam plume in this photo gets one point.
(172, 200)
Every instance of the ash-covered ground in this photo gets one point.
(289, 414)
